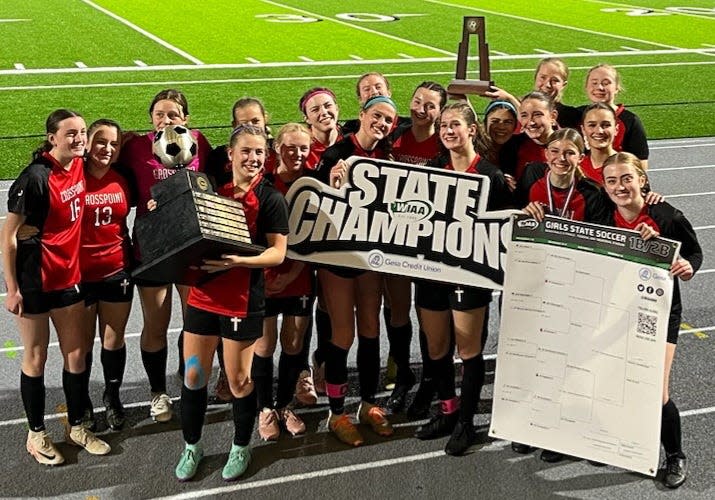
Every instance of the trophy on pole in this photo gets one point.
(473, 25)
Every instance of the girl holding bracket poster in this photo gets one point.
(625, 180)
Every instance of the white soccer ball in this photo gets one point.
(174, 146)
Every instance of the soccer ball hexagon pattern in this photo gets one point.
(174, 146)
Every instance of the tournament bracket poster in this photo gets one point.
(582, 341)
(395, 218)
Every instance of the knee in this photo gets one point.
(194, 374)
(75, 360)
(33, 363)
(241, 384)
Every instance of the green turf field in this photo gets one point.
(107, 58)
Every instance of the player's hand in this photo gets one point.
(495, 92)
(13, 303)
(151, 204)
(647, 232)
(682, 269)
(536, 210)
(653, 198)
(225, 263)
(510, 182)
(339, 174)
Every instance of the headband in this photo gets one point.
(377, 100)
(306, 98)
(500, 104)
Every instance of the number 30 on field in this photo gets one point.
(360, 17)
(665, 12)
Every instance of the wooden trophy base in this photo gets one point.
(467, 87)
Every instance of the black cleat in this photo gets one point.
(676, 468)
(521, 448)
(439, 426)
(422, 402)
(463, 436)
(551, 456)
(115, 414)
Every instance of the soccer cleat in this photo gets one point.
(676, 469)
(88, 420)
(238, 460)
(422, 402)
(41, 447)
(398, 398)
(521, 448)
(114, 413)
(463, 436)
(268, 427)
(439, 426)
(374, 416)
(161, 407)
(318, 376)
(79, 435)
(189, 461)
(344, 429)
(222, 390)
(305, 389)
(551, 456)
(292, 422)
(390, 374)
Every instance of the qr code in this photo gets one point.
(647, 324)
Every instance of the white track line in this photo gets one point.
(676, 146)
(667, 169)
(144, 32)
(703, 228)
(361, 28)
(690, 195)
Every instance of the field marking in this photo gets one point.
(666, 169)
(553, 25)
(632, 49)
(357, 58)
(19, 66)
(144, 32)
(14, 20)
(702, 228)
(306, 59)
(80, 64)
(139, 62)
(361, 28)
(590, 51)
(345, 62)
(671, 12)
(676, 146)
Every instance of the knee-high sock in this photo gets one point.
(400, 338)
(305, 350)
(426, 360)
(670, 430)
(262, 375)
(32, 390)
(289, 367)
(75, 394)
(472, 382)
(88, 359)
(443, 373)
(113, 364)
(155, 367)
(193, 410)
(336, 377)
(325, 332)
(244, 418)
(368, 364)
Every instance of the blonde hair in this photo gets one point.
(559, 63)
(290, 128)
(630, 160)
(572, 136)
(607, 67)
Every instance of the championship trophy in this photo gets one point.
(460, 85)
(190, 223)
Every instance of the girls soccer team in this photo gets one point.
(67, 258)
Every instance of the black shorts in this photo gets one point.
(443, 297)
(290, 306)
(674, 326)
(202, 322)
(117, 288)
(42, 302)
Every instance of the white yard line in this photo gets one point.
(144, 32)
(630, 6)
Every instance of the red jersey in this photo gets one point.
(406, 149)
(564, 202)
(528, 152)
(317, 149)
(471, 169)
(239, 292)
(644, 216)
(593, 173)
(105, 237)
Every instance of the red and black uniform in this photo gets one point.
(52, 199)
(631, 136)
(406, 149)
(105, 257)
(593, 173)
(317, 149)
(519, 151)
(219, 166)
(569, 116)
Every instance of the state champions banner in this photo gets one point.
(396, 218)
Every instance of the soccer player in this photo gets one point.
(355, 294)
(599, 128)
(449, 312)
(290, 293)
(228, 309)
(369, 85)
(500, 121)
(105, 261)
(168, 107)
(625, 181)
(603, 84)
(42, 274)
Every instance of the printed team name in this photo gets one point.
(93, 199)
(402, 211)
(72, 191)
(163, 173)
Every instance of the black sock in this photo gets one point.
(180, 346)
(472, 382)
(443, 373)
(193, 410)
(426, 360)
(32, 390)
(289, 367)
(113, 364)
(670, 430)
(88, 360)
(74, 389)
(262, 375)
(336, 377)
(244, 418)
(305, 350)
(155, 366)
(400, 338)
(386, 314)
(368, 365)
(325, 332)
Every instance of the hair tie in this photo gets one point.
(501, 104)
(305, 99)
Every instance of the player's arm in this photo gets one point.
(13, 300)
(273, 255)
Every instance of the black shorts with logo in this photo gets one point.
(41, 302)
(117, 288)
(200, 322)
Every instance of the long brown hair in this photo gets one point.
(52, 125)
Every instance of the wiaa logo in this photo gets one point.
(410, 210)
(527, 224)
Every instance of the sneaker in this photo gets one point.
(305, 389)
(292, 422)
(161, 407)
(79, 435)
(374, 416)
(463, 436)
(422, 402)
(390, 374)
(676, 468)
(238, 459)
(344, 429)
(551, 456)
(439, 426)
(189, 461)
(222, 391)
(268, 427)
(41, 447)
(397, 400)
(521, 448)
(318, 376)
(114, 413)
(88, 420)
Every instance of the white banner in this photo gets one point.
(582, 342)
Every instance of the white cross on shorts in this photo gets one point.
(236, 322)
(124, 284)
(304, 301)
(459, 293)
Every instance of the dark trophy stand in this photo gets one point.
(460, 85)
(191, 223)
